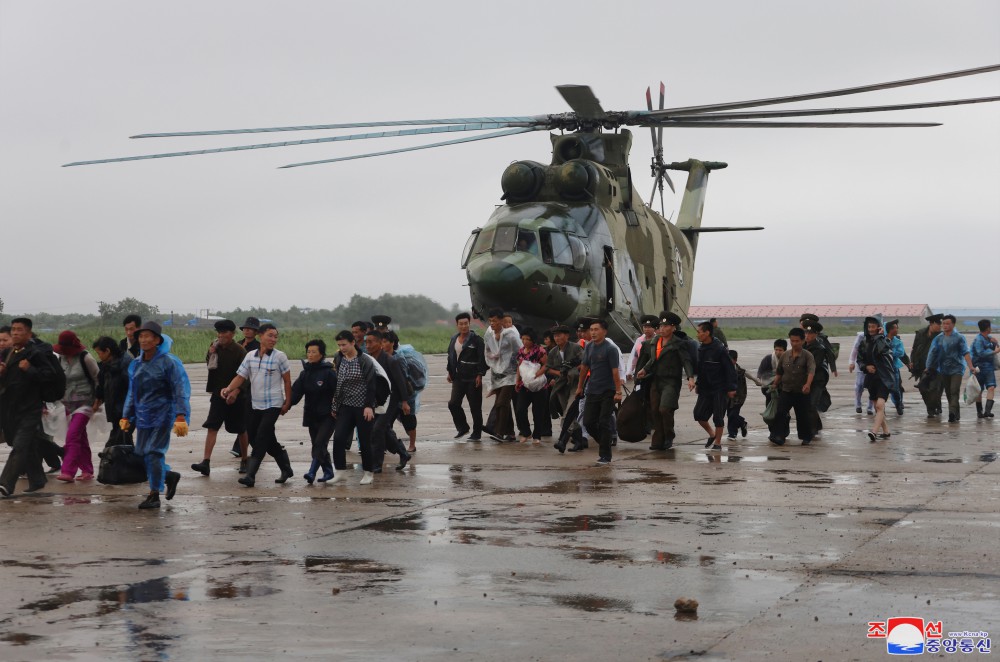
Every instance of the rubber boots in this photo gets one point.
(249, 479)
(979, 410)
(327, 466)
(989, 409)
(310, 475)
(285, 465)
(203, 467)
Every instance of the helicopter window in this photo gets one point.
(484, 241)
(556, 249)
(579, 253)
(505, 238)
(527, 242)
(467, 251)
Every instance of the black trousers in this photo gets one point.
(802, 405)
(350, 419)
(538, 403)
(597, 413)
(24, 455)
(260, 432)
(384, 438)
(734, 420)
(461, 389)
(320, 434)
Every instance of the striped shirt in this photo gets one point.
(265, 376)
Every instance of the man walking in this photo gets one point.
(224, 358)
(130, 343)
(466, 367)
(928, 385)
(899, 360)
(823, 357)
(947, 358)
(664, 361)
(563, 367)
(984, 348)
(881, 377)
(249, 343)
(27, 367)
(716, 384)
(501, 358)
(601, 360)
(383, 437)
(793, 380)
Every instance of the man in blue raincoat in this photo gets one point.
(158, 400)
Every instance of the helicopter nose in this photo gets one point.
(499, 279)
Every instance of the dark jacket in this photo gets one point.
(471, 362)
(397, 380)
(112, 386)
(230, 358)
(716, 372)
(20, 390)
(877, 351)
(825, 360)
(317, 383)
(132, 350)
(921, 346)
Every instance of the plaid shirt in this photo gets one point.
(265, 376)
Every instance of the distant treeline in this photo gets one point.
(407, 310)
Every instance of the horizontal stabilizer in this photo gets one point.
(743, 229)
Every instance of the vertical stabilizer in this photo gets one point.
(693, 202)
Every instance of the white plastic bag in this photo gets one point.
(528, 370)
(54, 420)
(972, 390)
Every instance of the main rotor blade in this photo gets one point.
(793, 125)
(670, 182)
(308, 141)
(582, 100)
(764, 114)
(350, 125)
(687, 110)
(652, 131)
(486, 136)
(659, 132)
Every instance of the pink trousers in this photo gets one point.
(77, 446)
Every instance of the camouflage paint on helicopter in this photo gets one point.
(574, 240)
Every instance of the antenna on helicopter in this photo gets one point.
(657, 167)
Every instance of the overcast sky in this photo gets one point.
(852, 216)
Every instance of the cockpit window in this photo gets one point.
(467, 251)
(527, 242)
(556, 249)
(579, 252)
(505, 238)
(484, 241)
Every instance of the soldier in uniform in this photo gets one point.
(928, 385)
(823, 355)
(663, 361)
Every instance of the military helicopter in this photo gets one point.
(573, 238)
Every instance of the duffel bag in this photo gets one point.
(121, 466)
(632, 417)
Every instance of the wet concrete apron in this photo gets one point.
(490, 551)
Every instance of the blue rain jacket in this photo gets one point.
(947, 354)
(158, 389)
(898, 352)
(982, 352)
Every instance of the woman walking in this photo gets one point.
(112, 387)
(81, 380)
(354, 402)
(524, 397)
(317, 383)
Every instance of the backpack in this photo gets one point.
(53, 387)
(414, 367)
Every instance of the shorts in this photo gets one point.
(234, 416)
(876, 389)
(711, 405)
(987, 377)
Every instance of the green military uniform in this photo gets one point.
(665, 363)
(930, 388)
(826, 362)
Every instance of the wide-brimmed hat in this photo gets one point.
(69, 344)
(152, 327)
(252, 323)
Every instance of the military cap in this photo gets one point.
(808, 317)
(584, 323)
(225, 325)
(667, 317)
(381, 322)
(252, 323)
(813, 327)
(562, 328)
(649, 320)
(935, 318)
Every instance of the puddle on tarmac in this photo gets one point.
(715, 458)
(592, 603)
(19, 638)
(578, 523)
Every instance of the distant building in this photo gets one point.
(910, 316)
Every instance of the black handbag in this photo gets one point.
(120, 466)
(632, 417)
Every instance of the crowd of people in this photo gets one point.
(373, 382)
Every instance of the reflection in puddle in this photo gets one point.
(592, 603)
(19, 638)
